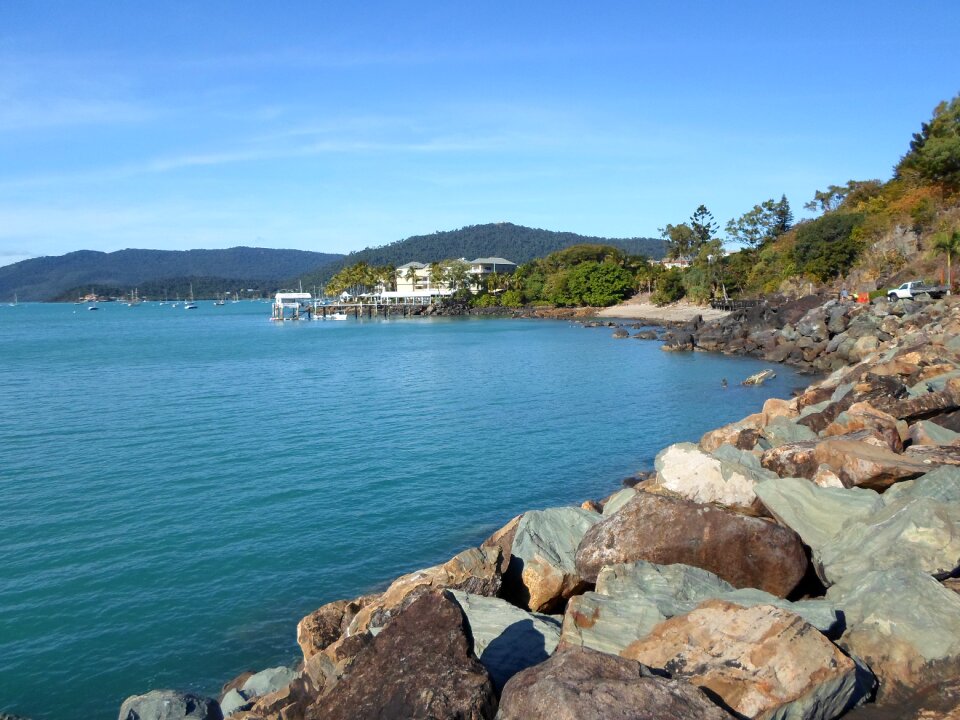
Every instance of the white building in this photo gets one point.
(415, 283)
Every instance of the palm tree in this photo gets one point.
(411, 275)
(436, 274)
(947, 243)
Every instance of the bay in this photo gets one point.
(179, 487)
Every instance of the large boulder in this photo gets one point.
(170, 705)
(580, 684)
(744, 551)
(914, 532)
(420, 666)
(507, 639)
(690, 472)
(763, 662)
(815, 513)
(742, 434)
(633, 599)
(476, 570)
(542, 573)
(904, 625)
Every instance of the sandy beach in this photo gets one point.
(639, 308)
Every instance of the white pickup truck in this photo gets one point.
(916, 287)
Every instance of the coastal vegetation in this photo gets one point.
(867, 232)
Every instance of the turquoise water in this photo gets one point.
(179, 488)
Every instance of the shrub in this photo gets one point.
(825, 247)
(511, 298)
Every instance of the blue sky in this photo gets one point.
(336, 126)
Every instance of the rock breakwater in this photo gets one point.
(795, 564)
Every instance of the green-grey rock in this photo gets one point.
(903, 624)
(942, 484)
(234, 701)
(815, 513)
(916, 533)
(507, 639)
(781, 431)
(618, 500)
(632, 599)
(169, 705)
(543, 553)
(933, 384)
(268, 681)
(693, 473)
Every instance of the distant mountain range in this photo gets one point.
(170, 273)
(66, 276)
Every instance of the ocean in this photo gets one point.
(180, 487)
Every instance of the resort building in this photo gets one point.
(415, 282)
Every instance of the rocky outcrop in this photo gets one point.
(763, 662)
(744, 551)
(325, 625)
(170, 705)
(420, 665)
(580, 684)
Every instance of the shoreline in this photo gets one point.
(864, 346)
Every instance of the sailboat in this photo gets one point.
(190, 305)
(14, 303)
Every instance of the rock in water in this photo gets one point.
(764, 662)
(507, 639)
(744, 551)
(169, 705)
(581, 684)
(420, 666)
(543, 556)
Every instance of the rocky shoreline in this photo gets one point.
(798, 563)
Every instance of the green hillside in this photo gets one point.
(514, 242)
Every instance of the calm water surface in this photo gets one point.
(179, 488)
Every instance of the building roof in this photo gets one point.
(491, 261)
(414, 264)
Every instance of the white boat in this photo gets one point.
(190, 305)
(337, 316)
(93, 307)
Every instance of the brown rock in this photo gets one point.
(420, 666)
(744, 551)
(503, 539)
(327, 667)
(762, 661)
(476, 571)
(325, 625)
(583, 684)
(933, 455)
(863, 416)
(289, 703)
(592, 506)
(776, 407)
(742, 434)
(861, 459)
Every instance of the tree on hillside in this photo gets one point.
(765, 222)
(934, 153)
(826, 247)
(947, 243)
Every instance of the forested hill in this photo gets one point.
(47, 278)
(514, 242)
